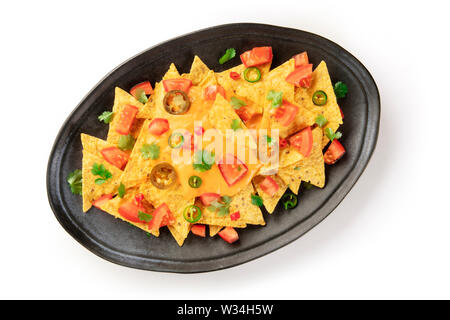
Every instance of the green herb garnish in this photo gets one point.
(222, 207)
(236, 124)
(141, 96)
(257, 200)
(237, 103)
(144, 216)
(203, 160)
(150, 151)
(276, 98)
(332, 135)
(121, 190)
(75, 180)
(106, 116)
(100, 170)
(126, 142)
(229, 54)
(340, 89)
(321, 120)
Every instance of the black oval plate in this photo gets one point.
(117, 242)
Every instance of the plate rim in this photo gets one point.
(262, 249)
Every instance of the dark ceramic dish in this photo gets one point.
(117, 242)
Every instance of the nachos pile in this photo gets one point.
(193, 150)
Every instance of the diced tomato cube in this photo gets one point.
(158, 126)
(269, 186)
(102, 200)
(301, 59)
(245, 113)
(130, 211)
(235, 216)
(126, 119)
(212, 90)
(257, 56)
(162, 216)
(301, 76)
(334, 152)
(283, 143)
(115, 156)
(286, 113)
(177, 84)
(232, 169)
(199, 230)
(146, 86)
(229, 235)
(302, 141)
(208, 198)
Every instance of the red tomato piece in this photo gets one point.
(302, 141)
(301, 59)
(232, 169)
(130, 211)
(115, 156)
(283, 143)
(229, 235)
(269, 186)
(102, 200)
(235, 75)
(126, 119)
(257, 56)
(208, 198)
(235, 216)
(301, 76)
(138, 198)
(199, 230)
(245, 113)
(162, 216)
(212, 90)
(177, 84)
(286, 113)
(334, 152)
(158, 126)
(146, 86)
(342, 113)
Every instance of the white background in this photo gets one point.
(389, 238)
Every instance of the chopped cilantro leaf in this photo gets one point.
(141, 96)
(144, 216)
(275, 97)
(203, 160)
(75, 180)
(332, 135)
(121, 190)
(229, 54)
(237, 103)
(150, 151)
(321, 120)
(100, 170)
(257, 200)
(340, 89)
(236, 124)
(222, 207)
(106, 117)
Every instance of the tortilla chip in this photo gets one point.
(209, 79)
(222, 114)
(93, 145)
(311, 169)
(112, 207)
(172, 73)
(321, 81)
(270, 202)
(92, 191)
(249, 213)
(199, 71)
(213, 230)
(176, 203)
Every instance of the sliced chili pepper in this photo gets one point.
(176, 102)
(319, 98)
(249, 71)
(176, 140)
(192, 214)
(235, 75)
(195, 182)
(289, 201)
(163, 175)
